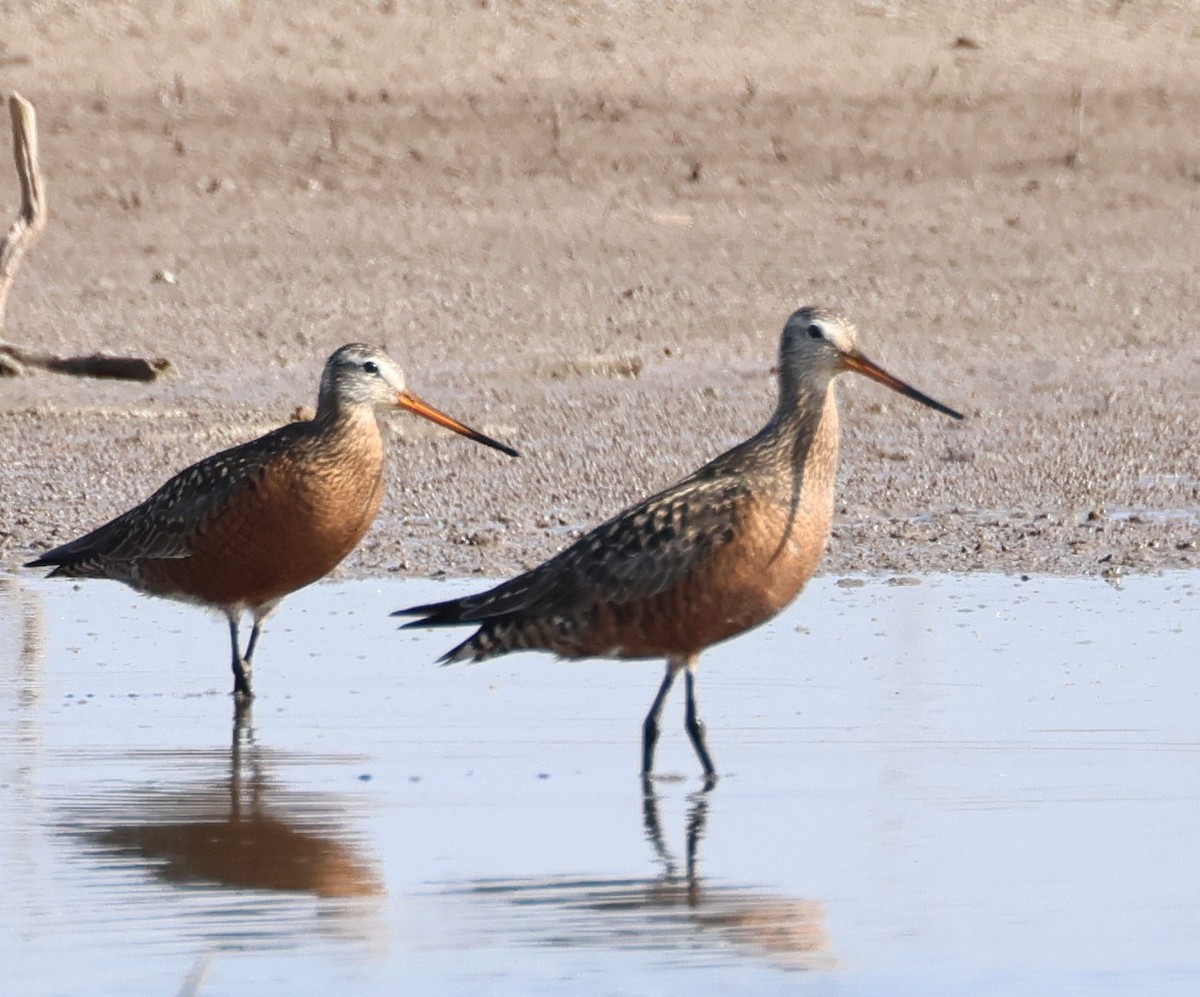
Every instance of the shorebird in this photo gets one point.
(243, 528)
(720, 552)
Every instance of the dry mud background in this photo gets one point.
(580, 227)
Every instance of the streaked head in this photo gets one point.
(357, 375)
(818, 345)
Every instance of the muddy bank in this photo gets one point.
(584, 239)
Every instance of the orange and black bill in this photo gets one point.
(855, 361)
(407, 400)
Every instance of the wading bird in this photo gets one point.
(243, 528)
(720, 552)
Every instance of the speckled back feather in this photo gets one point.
(165, 524)
(636, 555)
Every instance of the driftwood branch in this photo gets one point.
(31, 215)
(95, 365)
(23, 233)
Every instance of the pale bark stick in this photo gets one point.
(23, 233)
(31, 216)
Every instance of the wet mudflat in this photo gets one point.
(965, 785)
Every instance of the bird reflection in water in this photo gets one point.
(242, 831)
(23, 630)
(672, 912)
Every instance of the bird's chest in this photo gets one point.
(319, 511)
(283, 531)
(774, 554)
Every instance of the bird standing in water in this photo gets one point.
(720, 552)
(243, 528)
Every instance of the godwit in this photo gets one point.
(720, 552)
(243, 528)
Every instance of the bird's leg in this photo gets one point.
(650, 724)
(259, 614)
(241, 662)
(254, 633)
(241, 669)
(695, 728)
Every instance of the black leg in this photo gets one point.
(241, 671)
(695, 729)
(254, 632)
(241, 681)
(650, 725)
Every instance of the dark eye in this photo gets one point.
(815, 332)
(371, 367)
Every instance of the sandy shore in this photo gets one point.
(581, 227)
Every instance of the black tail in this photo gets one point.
(78, 558)
(493, 638)
(450, 613)
(62, 561)
(496, 634)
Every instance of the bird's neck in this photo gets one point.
(328, 408)
(331, 408)
(335, 419)
(800, 443)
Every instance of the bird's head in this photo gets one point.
(818, 345)
(358, 376)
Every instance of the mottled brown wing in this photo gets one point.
(164, 524)
(637, 554)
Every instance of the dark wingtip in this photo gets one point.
(434, 614)
(412, 624)
(415, 611)
(430, 623)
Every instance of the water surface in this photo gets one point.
(966, 785)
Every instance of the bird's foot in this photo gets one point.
(241, 681)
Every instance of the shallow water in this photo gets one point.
(970, 785)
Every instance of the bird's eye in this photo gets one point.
(815, 332)
(371, 367)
